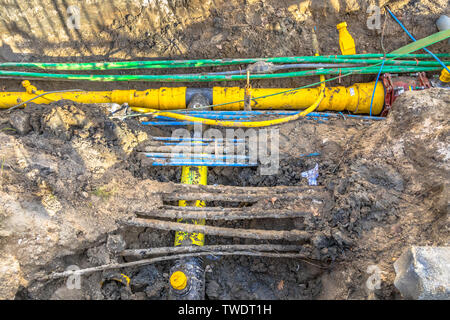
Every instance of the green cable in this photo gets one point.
(278, 93)
(253, 99)
(363, 59)
(214, 78)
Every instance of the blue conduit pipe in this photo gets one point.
(237, 114)
(195, 139)
(181, 156)
(190, 144)
(203, 163)
(167, 123)
(187, 123)
(314, 154)
(277, 113)
(212, 116)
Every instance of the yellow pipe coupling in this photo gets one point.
(356, 99)
(163, 98)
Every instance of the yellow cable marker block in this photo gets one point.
(178, 280)
(346, 41)
(445, 76)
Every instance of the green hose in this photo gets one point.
(215, 78)
(162, 64)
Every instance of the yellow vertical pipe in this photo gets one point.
(192, 175)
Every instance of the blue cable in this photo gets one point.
(375, 89)
(315, 154)
(411, 36)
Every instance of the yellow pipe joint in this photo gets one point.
(163, 98)
(356, 98)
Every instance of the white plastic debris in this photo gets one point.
(443, 23)
(312, 175)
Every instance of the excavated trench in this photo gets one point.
(70, 172)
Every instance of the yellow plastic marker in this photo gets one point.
(445, 76)
(178, 280)
(122, 278)
(346, 41)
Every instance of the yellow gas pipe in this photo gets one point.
(179, 280)
(162, 98)
(355, 98)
